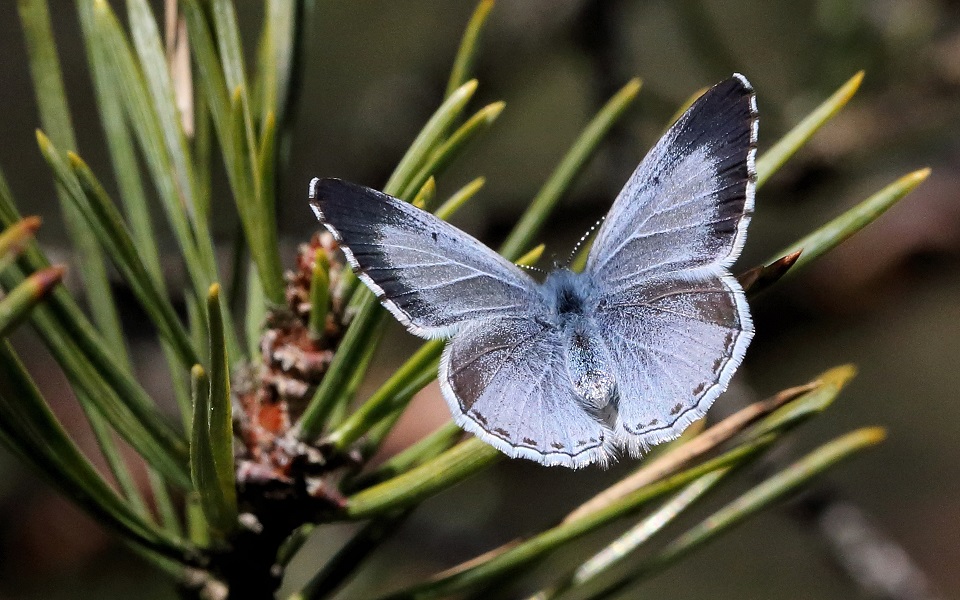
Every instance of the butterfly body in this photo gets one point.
(571, 300)
(620, 357)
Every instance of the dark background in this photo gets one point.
(886, 300)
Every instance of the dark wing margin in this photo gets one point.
(430, 275)
(688, 203)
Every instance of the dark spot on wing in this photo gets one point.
(529, 441)
(653, 422)
(677, 408)
(557, 445)
(697, 390)
(718, 363)
(728, 341)
(434, 235)
(480, 418)
(502, 432)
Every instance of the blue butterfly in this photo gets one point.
(622, 356)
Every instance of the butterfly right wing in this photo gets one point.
(433, 277)
(506, 382)
(674, 320)
(674, 345)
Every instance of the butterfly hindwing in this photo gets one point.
(674, 342)
(502, 373)
(506, 381)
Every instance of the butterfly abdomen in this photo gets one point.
(588, 367)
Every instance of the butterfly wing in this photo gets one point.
(432, 276)
(674, 344)
(505, 381)
(689, 201)
(674, 320)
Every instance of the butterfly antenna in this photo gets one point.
(583, 240)
(532, 268)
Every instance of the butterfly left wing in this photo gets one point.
(503, 373)
(433, 277)
(506, 382)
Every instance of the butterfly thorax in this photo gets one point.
(571, 300)
(568, 294)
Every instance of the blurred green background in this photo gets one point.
(887, 300)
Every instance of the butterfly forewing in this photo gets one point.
(502, 374)
(688, 203)
(432, 276)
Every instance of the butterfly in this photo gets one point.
(582, 366)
